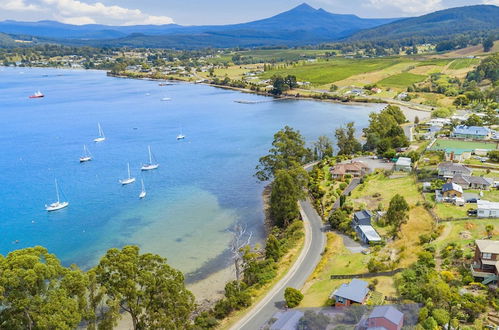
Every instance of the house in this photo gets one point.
(449, 169)
(368, 234)
(487, 209)
(361, 218)
(382, 317)
(451, 190)
(354, 169)
(287, 320)
(471, 132)
(354, 292)
(403, 164)
(472, 182)
(485, 265)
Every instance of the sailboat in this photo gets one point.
(86, 155)
(150, 165)
(143, 192)
(101, 137)
(37, 95)
(129, 179)
(56, 205)
(181, 136)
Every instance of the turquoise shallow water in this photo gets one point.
(203, 186)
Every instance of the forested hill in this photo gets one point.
(299, 26)
(436, 25)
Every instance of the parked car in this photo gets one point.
(472, 212)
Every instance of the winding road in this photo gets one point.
(315, 240)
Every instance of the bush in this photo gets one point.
(293, 297)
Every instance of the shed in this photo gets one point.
(403, 164)
(368, 234)
(386, 317)
(487, 209)
(354, 292)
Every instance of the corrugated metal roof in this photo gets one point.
(370, 233)
(356, 290)
(388, 312)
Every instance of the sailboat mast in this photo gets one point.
(57, 190)
(150, 156)
(128, 164)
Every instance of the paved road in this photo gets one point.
(297, 275)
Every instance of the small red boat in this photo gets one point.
(37, 95)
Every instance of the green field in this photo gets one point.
(402, 80)
(325, 72)
(463, 63)
(283, 55)
(459, 146)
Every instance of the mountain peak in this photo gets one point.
(304, 7)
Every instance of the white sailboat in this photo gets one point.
(101, 137)
(150, 165)
(86, 155)
(143, 192)
(56, 205)
(181, 136)
(129, 179)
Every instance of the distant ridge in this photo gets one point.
(298, 26)
(438, 24)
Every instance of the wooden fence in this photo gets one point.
(367, 275)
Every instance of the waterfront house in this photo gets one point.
(471, 132)
(354, 292)
(362, 218)
(403, 164)
(487, 209)
(448, 169)
(472, 182)
(382, 317)
(368, 234)
(354, 169)
(485, 265)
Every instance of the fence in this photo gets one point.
(367, 275)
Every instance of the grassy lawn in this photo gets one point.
(338, 260)
(448, 210)
(325, 72)
(283, 55)
(386, 188)
(466, 231)
(402, 80)
(491, 174)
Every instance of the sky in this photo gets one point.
(202, 12)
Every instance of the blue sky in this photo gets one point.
(197, 12)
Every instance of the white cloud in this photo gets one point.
(80, 12)
(17, 5)
(491, 2)
(409, 6)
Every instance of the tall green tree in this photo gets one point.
(396, 214)
(488, 43)
(346, 141)
(288, 151)
(284, 199)
(323, 148)
(37, 292)
(146, 287)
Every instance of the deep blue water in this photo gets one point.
(204, 183)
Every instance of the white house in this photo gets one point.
(487, 209)
(403, 164)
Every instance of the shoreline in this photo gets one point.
(297, 96)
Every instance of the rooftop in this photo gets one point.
(454, 167)
(356, 290)
(388, 312)
(370, 233)
(452, 186)
(344, 168)
(471, 130)
(485, 204)
(403, 161)
(487, 246)
(363, 214)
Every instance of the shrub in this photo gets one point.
(293, 297)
